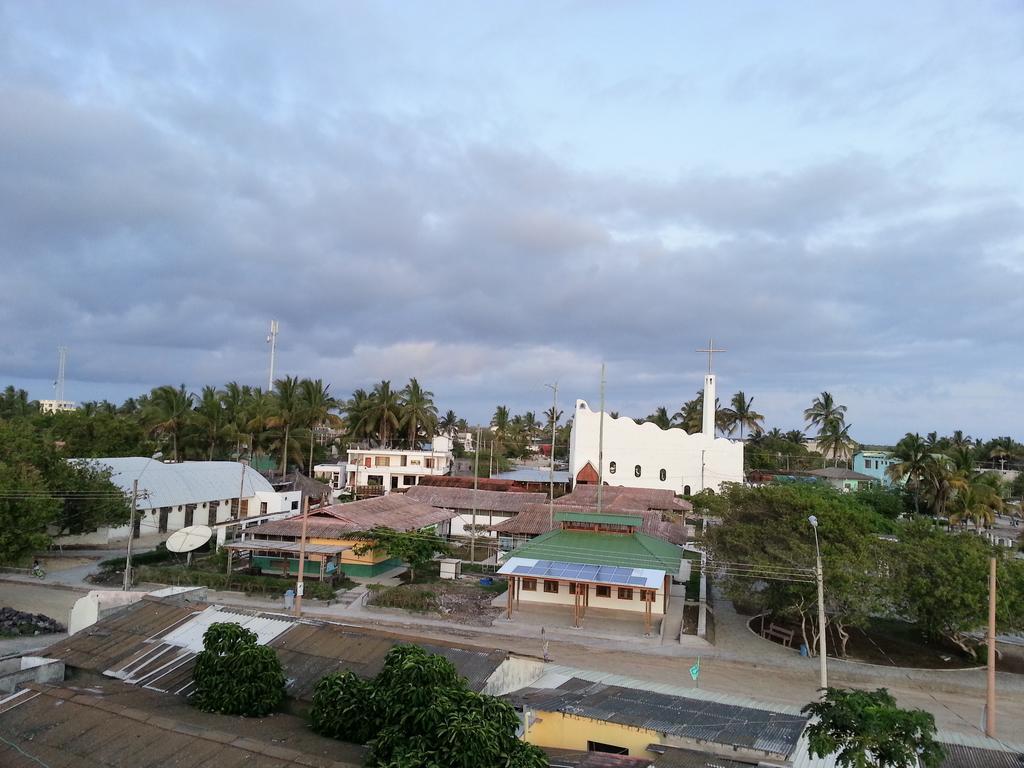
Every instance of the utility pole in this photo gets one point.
(551, 475)
(490, 460)
(822, 653)
(476, 478)
(131, 535)
(600, 446)
(990, 697)
(272, 341)
(302, 559)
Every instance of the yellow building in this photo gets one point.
(583, 716)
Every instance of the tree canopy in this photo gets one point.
(865, 729)
(235, 675)
(416, 548)
(418, 711)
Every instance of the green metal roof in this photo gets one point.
(628, 550)
(594, 517)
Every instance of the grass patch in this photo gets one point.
(406, 598)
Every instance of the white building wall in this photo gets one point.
(698, 460)
(612, 603)
(403, 468)
(461, 523)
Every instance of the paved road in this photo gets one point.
(741, 664)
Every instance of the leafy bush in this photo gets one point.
(234, 675)
(419, 711)
(160, 554)
(273, 585)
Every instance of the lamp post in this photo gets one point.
(822, 654)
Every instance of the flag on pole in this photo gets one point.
(695, 670)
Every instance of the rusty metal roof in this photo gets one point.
(394, 511)
(771, 733)
(466, 498)
(113, 724)
(619, 498)
(154, 644)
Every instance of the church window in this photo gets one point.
(636, 470)
(662, 475)
(611, 467)
(686, 490)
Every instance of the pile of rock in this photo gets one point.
(14, 622)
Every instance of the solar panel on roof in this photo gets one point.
(636, 580)
(523, 569)
(589, 572)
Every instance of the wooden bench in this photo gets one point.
(775, 632)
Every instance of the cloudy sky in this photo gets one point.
(495, 196)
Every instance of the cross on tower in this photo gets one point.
(710, 352)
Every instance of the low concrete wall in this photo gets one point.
(514, 673)
(29, 669)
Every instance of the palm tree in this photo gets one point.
(742, 415)
(795, 436)
(960, 440)
(501, 423)
(823, 411)
(384, 412)
(449, 423)
(978, 502)
(288, 411)
(942, 482)
(359, 419)
(210, 419)
(318, 408)
(530, 424)
(962, 457)
(418, 411)
(660, 418)
(552, 416)
(690, 415)
(911, 465)
(167, 412)
(835, 439)
(258, 412)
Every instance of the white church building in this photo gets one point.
(647, 456)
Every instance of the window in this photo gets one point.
(263, 507)
(409, 480)
(611, 467)
(686, 490)
(551, 587)
(164, 512)
(428, 463)
(530, 585)
(211, 514)
(636, 470)
(190, 514)
(404, 462)
(603, 591)
(382, 461)
(647, 595)
(245, 507)
(597, 746)
(576, 589)
(662, 475)
(625, 593)
(295, 505)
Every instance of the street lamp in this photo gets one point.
(822, 654)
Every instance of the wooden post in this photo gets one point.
(990, 697)
(647, 614)
(230, 552)
(508, 610)
(302, 559)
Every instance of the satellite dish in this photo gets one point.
(188, 539)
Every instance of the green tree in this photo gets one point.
(977, 501)
(25, 512)
(88, 500)
(742, 415)
(318, 408)
(384, 412)
(168, 411)
(417, 548)
(419, 414)
(501, 424)
(235, 675)
(911, 465)
(660, 418)
(418, 711)
(835, 439)
(865, 729)
(288, 412)
(210, 421)
(824, 411)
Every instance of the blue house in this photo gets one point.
(874, 463)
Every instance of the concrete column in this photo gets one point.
(708, 427)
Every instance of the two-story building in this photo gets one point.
(377, 471)
(875, 464)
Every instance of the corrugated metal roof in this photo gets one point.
(535, 519)
(189, 634)
(118, 725)
(466, 498)
(394, 511)
(595, 574)
(772, 733)
(188, 482)
(603, 519)
(527, 475)
(288, 546)
(619, 498)
(677, 757)
(628, 550)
